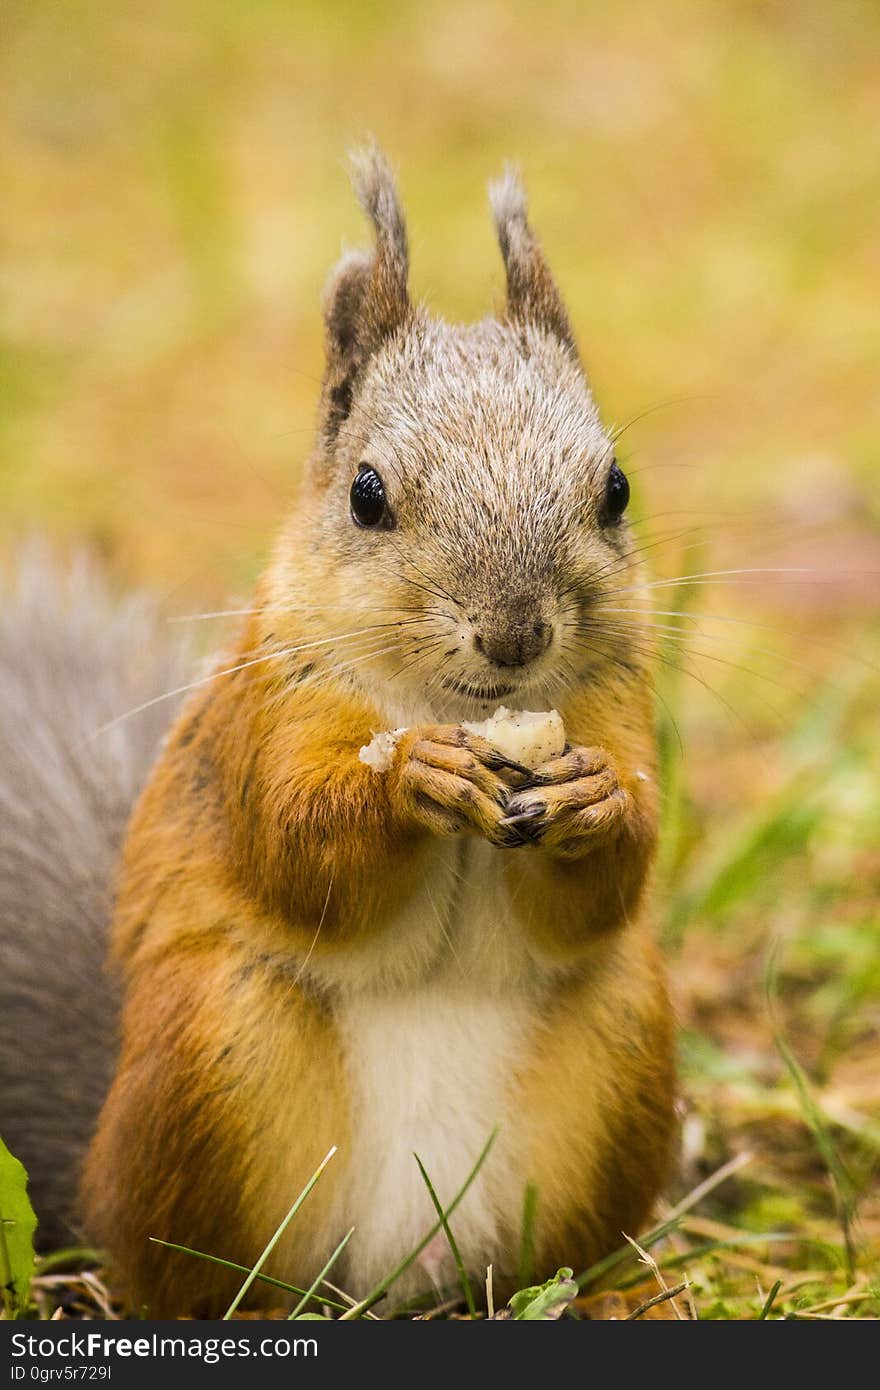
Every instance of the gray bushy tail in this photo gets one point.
(71, 660)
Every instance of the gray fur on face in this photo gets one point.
(486, 438)
(71, 660)
(494, 463)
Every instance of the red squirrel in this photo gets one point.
(317, 953)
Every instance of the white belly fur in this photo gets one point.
(430, 1062)
(429, 1075)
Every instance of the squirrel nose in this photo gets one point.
(517, 644)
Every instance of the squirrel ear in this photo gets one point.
(366, 298)
(532, 296)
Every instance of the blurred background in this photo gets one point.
(706, 181)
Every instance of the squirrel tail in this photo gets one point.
(72, 660)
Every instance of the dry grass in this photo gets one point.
(706, 177)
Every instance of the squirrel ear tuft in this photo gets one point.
(367, 297)
(532, 296)
(373, 181)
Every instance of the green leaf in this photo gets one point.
(17, 1226)
(545, 1301)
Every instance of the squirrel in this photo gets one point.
(313, 953)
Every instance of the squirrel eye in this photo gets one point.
(616, 494)
(367, 498)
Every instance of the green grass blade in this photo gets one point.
(242, 1269)
(766, 839)
(527, 1237)
(841, 1183)
(769, 1300)
(373, 1297)
(702, 1189)
(773, 834)
(310, 1293)
(278, 1234)
(675, 821)
(709, 1247)
(456, 1253)
(73, 1255)
(624, 1254)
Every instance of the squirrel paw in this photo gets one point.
(453, 782)
(573, 803)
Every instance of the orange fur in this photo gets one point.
(260, 839)
(276, 893)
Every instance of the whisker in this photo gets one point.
(308, 955)
(343, 666)
(310, 609)
(183, 689)
(407, 579)
(431, 579)
(284, 652)
(220, 613)
(715, 577)
(646, 613)
(734, 665)
(616, 432)
(417, 658)
(442, 925)
(626, 635)
(732, 712)
(658, 694)
(621, 563)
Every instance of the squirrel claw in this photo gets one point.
(514, 838)
(523, 823)
(498, 763)
(530, 814)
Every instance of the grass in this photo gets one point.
(779, 1021)
(706, 180)
(610, 1285)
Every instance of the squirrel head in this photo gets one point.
(467, 509)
